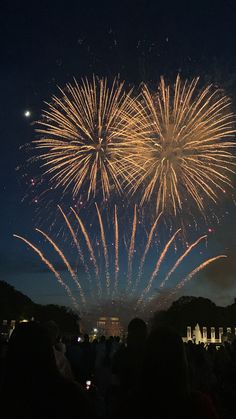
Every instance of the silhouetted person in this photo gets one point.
(87, 359)
(162, 391)
(33, 388)
(128, 359)
(116, 345)
(103, 372)
(74, 355)
(59, 349)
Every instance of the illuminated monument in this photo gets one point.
(210, 335)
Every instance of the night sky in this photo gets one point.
(47, 44)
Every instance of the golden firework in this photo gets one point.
(186, 146)
(109, 270)
(84, 137)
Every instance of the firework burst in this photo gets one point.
(86, 138)
(186, 148)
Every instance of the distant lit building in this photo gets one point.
(109, 326)
(216, 335)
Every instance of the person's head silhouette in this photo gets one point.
(137, 332)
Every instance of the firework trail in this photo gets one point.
(66, 262)
(181, 284)
(112, 257)
(105, 251)
(116, 250)
(131, 249)
(51, 268)
(181, 258)
(90, 248)
(149, 242)
(197, 269)
(86, 137)
(186, 148)
(81, 256)
(157, 267)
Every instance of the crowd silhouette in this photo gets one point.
(147, 375)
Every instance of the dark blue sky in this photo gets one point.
(47, 44)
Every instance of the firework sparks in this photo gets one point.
(181, 258)
(131, 249)
(105, 251)
(86, 137)
(51, 268)
(158, 265)
(114, 257)
(66, 262)
(186, 150)
(149, 242)
(197, 269)
(90, 248)
(80, 253)
(116, 249)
